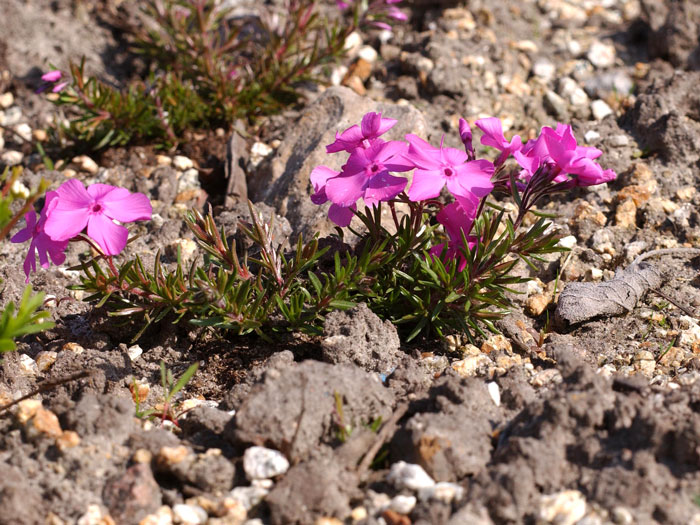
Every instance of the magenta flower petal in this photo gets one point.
(98, 191)
(373, 125)
(475, 177)
(29, 264)
(383, 187)
(25, 233)
(319, 177)
(426, 185)
(110, 237)
(493, 132)
(346, 190)
(342, 216)
(73, 195)
(59, 87)
(123, 206)
(382, 25)
(64, 224)
(52, 76)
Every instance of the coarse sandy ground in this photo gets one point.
(593, 424)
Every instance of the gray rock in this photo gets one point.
(320, 487)
(101, 416)
(284, 181)
(358, 336)
(132, 495)
(556, 106)
(18, 499)
(453, 440)
(294, 410)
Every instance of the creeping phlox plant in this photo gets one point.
(456, 278)
(441, 260)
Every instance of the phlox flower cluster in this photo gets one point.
(100, 209)
(51, 80)
(369, 172)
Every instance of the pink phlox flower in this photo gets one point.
(41, 242)
(50, 80)
(559, 149)
(96, 208)
(465, 134)
(396, 14)
(493, 136)
(437, 167)
(457, 219)
(364, 135)
(382, 25)
(52, 76)
(366, 175)
(342, 5)
(340, 215)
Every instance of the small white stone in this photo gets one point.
(600, 109)
(403, 504)
(11, 116)
(266, 484)
(563, 508)
(24, 130)
(19, 190)
(622, 516)
(591, 136)
(470, 366)
(93, 516)
(164, 160)
(444, 491)
(619, 141)
(601, 55)
(258, 152)
(6, 100)
(338, 74)
(182, 163)
(543, 69)
(189, 514)
(368, 53)
(45, 359)
(410, 476)
(2, 143)
(189, 180)
(567, 242)
(134, 352)
(28, 365)
(12, 157)
(264, 463)
(494, 392)
(353, 43)
(249, 497)
(86, 164)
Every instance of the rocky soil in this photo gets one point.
(589, 424)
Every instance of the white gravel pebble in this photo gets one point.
(444, 491)
(249, 497)
(410, 476)
(189, 180)
(543, 69)
(368, 53)
(402, 504)
(264, 463)
(6, 100)
(494, 392)
(601, 55)
(591, 136)
(24, 130)
(28, 365)
(11, 116)
(189, 514)
(563, 508)
(258, 152)
(567, 242)
(600, 109)
(86, 164)
(134, 352)
(12, 157)
(182, 163)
